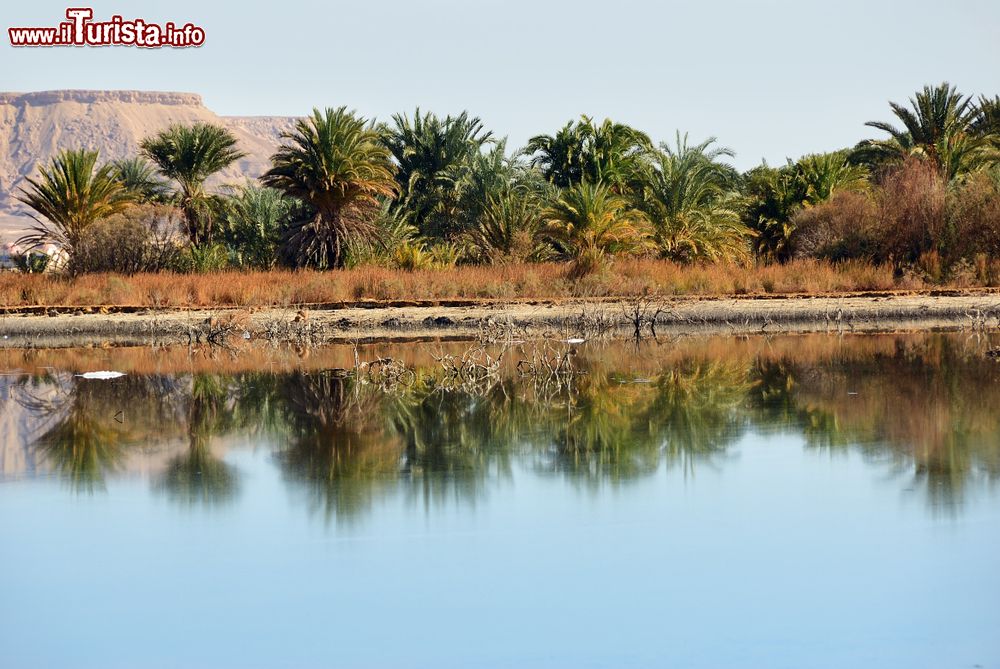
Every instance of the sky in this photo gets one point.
(771, 79)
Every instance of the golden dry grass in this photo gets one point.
(282, 288)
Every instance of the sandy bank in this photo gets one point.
(570, 318)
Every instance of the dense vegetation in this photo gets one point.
(426, 192)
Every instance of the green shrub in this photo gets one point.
(32, 262)
(253, 221)
(203, 259)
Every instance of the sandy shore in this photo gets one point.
(569, 318)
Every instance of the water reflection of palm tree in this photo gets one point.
(927, 408)
(198, 476)
(774, 405)
(336, 444)
(616, 427)
(454, 439)
(698, 410)
(84, 434)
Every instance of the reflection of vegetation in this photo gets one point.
(925, 405)
(697, 408)
(198, 476)
(929, 407)
(83, 433)
(334, 443)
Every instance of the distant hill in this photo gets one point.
(34, 126)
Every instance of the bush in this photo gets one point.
(203, 259)
(32, 262)
(973, 213)
(843, 228)
(911, 203)
(142, 238)
(915, 220)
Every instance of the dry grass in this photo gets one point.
(525, 281)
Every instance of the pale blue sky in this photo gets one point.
(770, 79)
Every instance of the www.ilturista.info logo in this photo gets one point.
(81, 30)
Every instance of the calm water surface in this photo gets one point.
(797, 501)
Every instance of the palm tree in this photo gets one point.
(938, 127)
(198, 476)
(189, 155)
(589, 221)
(70, 195)
(138, 177)
(434, 156)
(335, 163)
(825, 174)
(253, 221)
(618, 153)
(494, 175)
(690, 198)
(560, 157)
(509, 230)
(986, 120)
(610, 152)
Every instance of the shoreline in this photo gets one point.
(496, 319)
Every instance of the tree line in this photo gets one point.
(426, 191)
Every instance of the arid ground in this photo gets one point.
(568, 319)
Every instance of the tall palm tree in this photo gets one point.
(560, 157)
(938, 127)
(434, 156)
(189, 155)
(139, 178)
(69, 195)
(690, 197)
(509, 229)
(335, 163)
(986, 120)
(610, 152)
(493, 175)
(590, 221)
(618, 152)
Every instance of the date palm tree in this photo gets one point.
(509, 229)
(434, 156)
(690, 197)
(774, 195)
(825, 174)
(560, 157)
(938, 126)
(986, 120)
(70, 194)
(139, 179)
(334, 163)
(611, 153)
(189, 155)
(589, 222)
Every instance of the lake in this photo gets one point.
(791, 501)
